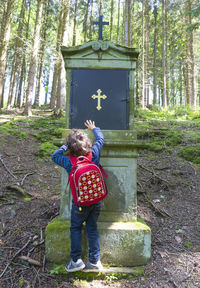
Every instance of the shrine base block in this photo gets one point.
(125, 244)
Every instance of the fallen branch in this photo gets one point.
(31, 261)
(22, 182)
(17, 188)
(33, 248)
(17, 253)
(161, 211)
(7, 168)
(43, 263)
(144, 193)
(152, 172)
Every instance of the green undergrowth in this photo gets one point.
(47, 134)
(161, 129)
(47, 137)
(46, 149)
(11, 128)
(46, 130)
(158, 139)
(191, 153)
(48, 122)
(89, 276)
(172, 113)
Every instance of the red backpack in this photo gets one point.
(86, 181)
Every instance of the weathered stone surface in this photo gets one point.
(126, 270)
(122, 243)
(127, 243)
(119, 159)
(57, 241)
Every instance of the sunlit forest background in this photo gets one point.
(166, 32)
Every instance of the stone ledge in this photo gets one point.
(127, 270)
(122, 243)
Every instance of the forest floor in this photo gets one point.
(168, 200)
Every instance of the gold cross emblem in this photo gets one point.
(99, 97)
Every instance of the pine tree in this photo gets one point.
(155, 13)
(5, 37)
(33, 62)
(17, 62)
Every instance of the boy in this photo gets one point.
(79, 144)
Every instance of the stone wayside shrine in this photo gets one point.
(101, 87)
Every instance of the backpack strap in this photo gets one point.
(103, 171)
(74, 159)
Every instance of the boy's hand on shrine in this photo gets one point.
(90, 124)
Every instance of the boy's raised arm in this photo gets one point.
(99, 140)
(60, 159)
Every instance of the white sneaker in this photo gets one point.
(75, 266)
(98, 266)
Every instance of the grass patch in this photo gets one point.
(48, 122)
(179, 113)
(187, 244)
(50, 129)
(159, 139)
(192, 136)
(47, 134)
(191, 153)
(11, 128)
(46, 150)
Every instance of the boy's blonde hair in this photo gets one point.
(78, 142)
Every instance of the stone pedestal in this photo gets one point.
(91, 69)
(124, 241)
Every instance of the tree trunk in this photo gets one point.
(46, 87)
(172, 99)
(17, 62)
(118, 18)
(126, 22)
(75, 23)
(22, 72)
(189, 80)
(180, 82)
(61, 90)
(143, 100)
(129, 4)
(41, 54)
(166, 52)
(91, 20)
(33, 62)
(111, 21)
(56, 63)
(198, 87)
(191, 59)
(85, 24)
(155, 12)
(164, 95)
(146, 32)
(5, 36)
(100, 7)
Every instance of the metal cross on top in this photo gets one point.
(100, 23)
(99, 97)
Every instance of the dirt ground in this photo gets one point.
(168, 200)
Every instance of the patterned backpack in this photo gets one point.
(86, 181)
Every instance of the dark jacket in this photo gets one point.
(64, 161)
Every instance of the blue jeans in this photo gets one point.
(89, 214)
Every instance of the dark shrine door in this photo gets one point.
(100, 95)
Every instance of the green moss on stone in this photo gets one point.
(89, 276)
(57, 225)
